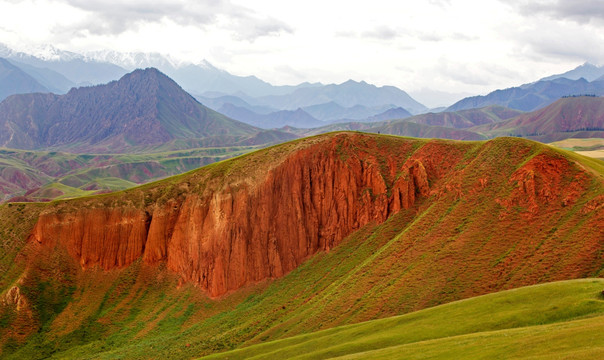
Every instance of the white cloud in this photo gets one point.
(446, 45)
(582, 11)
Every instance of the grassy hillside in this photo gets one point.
(480, 229)
(572, 117)
(47, 175)
(560, 319)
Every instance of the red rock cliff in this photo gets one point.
(245, 231)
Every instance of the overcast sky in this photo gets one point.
(459, 46)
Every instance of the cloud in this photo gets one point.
(580, 11)
(250, 29)
(381, 33)
(440, 3)
(114, 17)
(565, 44)
(475, 74)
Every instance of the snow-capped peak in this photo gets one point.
(42, 52)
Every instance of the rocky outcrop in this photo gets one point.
(13, 297)
(413, 181)
(106, 237)
(539, 181)
(245, 231)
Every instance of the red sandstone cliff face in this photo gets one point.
(246, 232)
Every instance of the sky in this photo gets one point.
(430, 48)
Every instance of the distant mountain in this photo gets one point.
(446, 125)
(215, 103)
(572, 117)
(52, 80)
(15, 81)
(143, 108)
(297, 118)
(332, 111)
(75, 67)
(533, 96)
(407, 128)
(577, 117)
(390, 114)
(199, 78)
(347, 94)
(466, 118)
(204, 78)
(207, 81)
(586, 71)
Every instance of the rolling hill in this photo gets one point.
(143, 109)
(309, 235)
(578, 117)
(550, 320)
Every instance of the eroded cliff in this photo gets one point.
(251, 228)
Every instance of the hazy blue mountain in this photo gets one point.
(278, 119)
(75, 67)
(390, 114)
(143, 108)
(205, 77)
(15, 81)
(201, 78)
(211, 82)
(218, 102)
(586, 71)
(50, 79)
(347, 94)
(532, 96)
(332, 111)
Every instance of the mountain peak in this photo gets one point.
(144, 80)
(350, 82)
(588, 71)
(144, 107)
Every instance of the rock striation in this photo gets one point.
(245, 232)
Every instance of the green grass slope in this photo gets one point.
(52, 175)
(473, 234)
(561, 319)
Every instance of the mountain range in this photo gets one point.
(533, 96)
(144, 108)
(58, 71)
